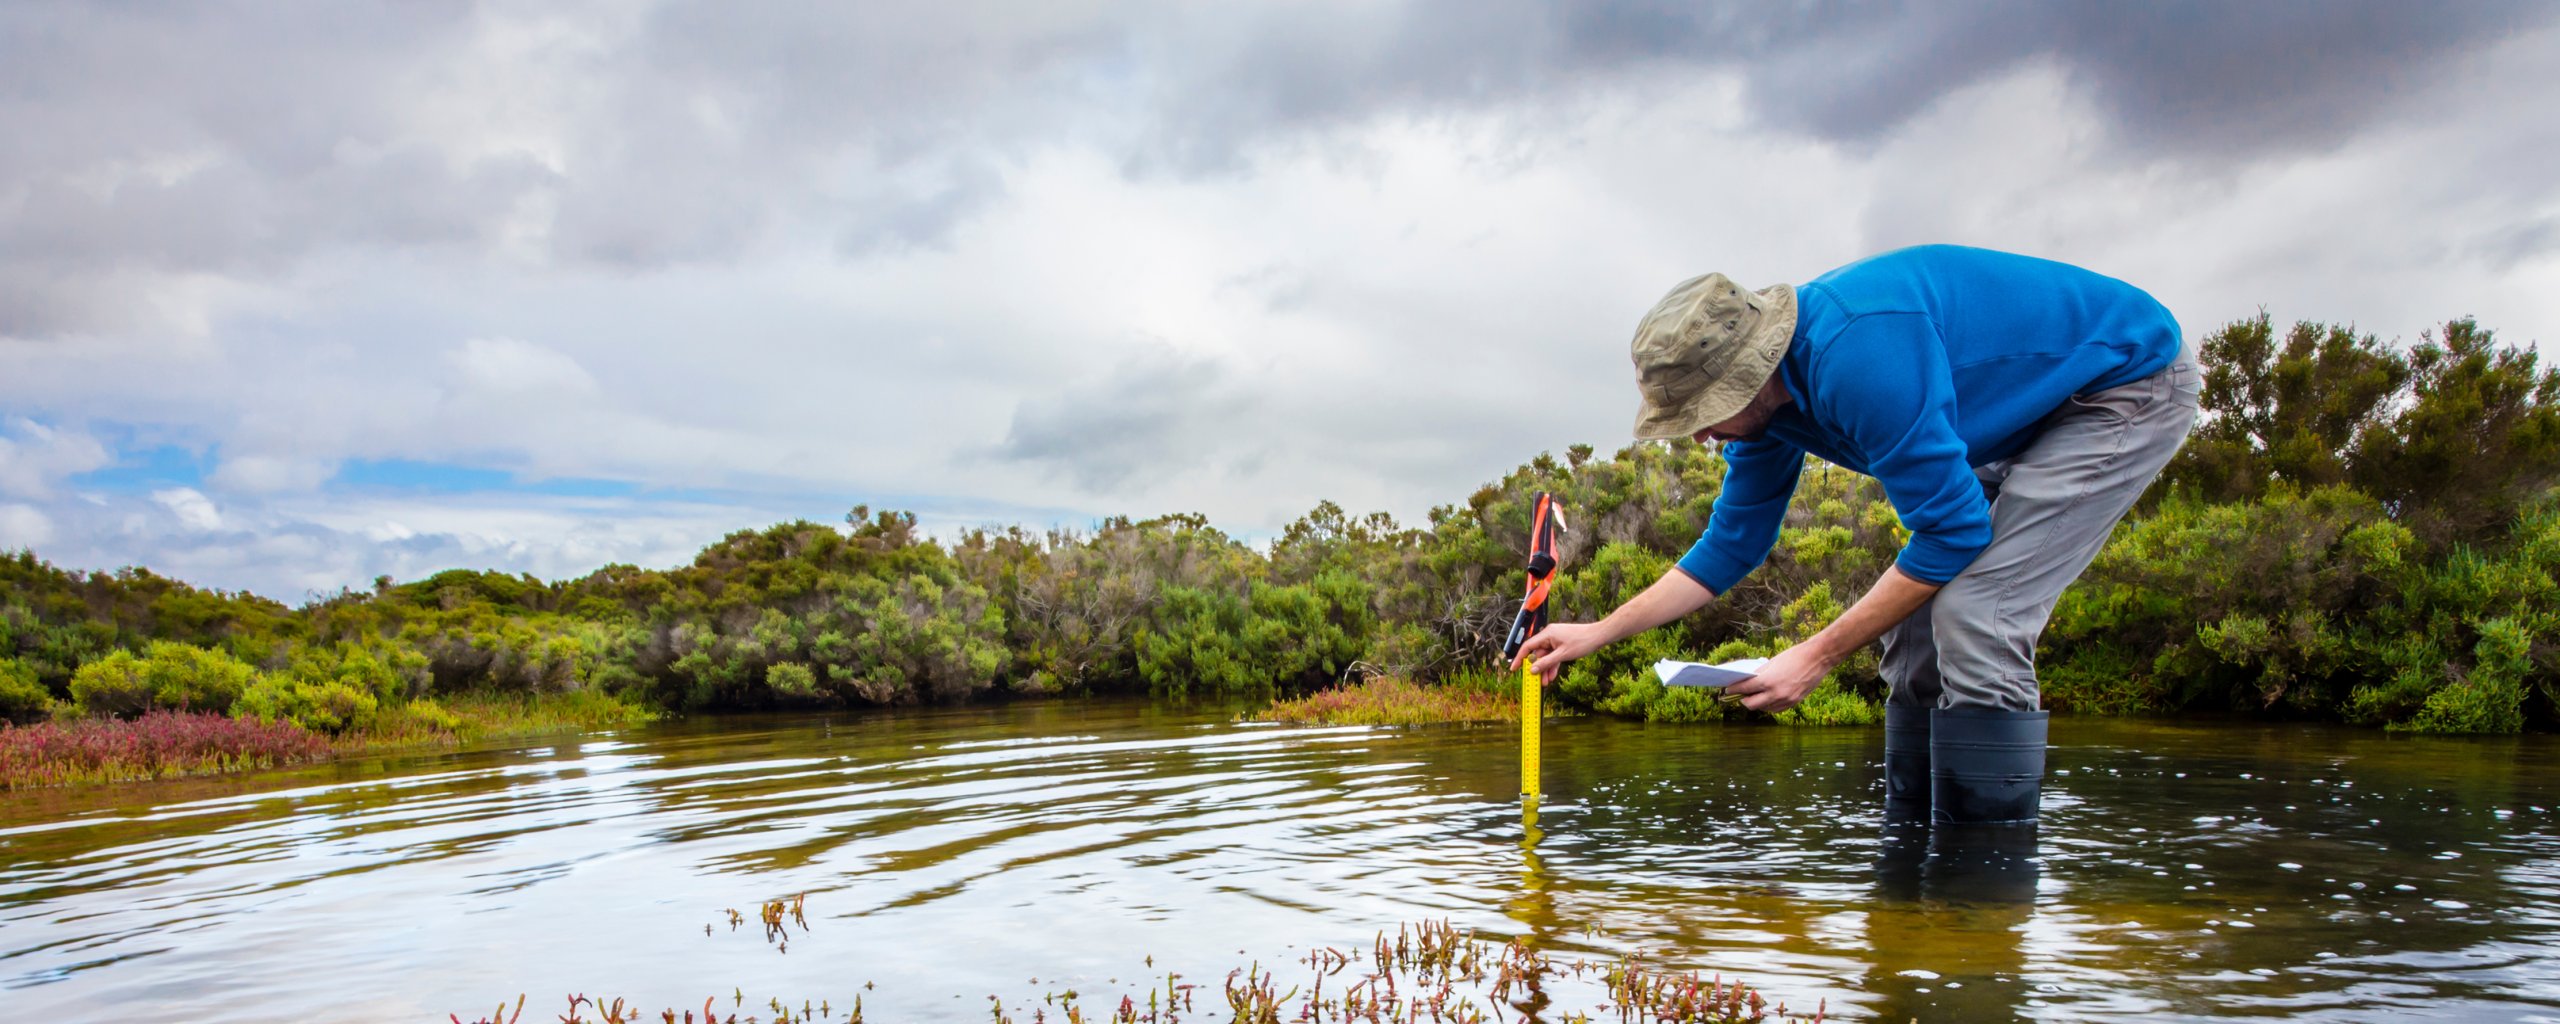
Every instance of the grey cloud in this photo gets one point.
(2249, 77)
(2191, 77)
(276, 85)
(2515, 244)
(147, 143)
(643, 190)
(1154, 416)
(921, 211)
(44, 302)
(880, 119)
(227, 218)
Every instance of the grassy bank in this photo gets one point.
(169, 744)
(1385, 700)
(482, 716)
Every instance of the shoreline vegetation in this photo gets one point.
(2357, 531)
(162, 744)
(1466, 699)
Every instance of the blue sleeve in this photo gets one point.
(1759, 477)
(1885, 382)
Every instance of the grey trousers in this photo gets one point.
(2052, 507)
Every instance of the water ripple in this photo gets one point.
(2183, 872)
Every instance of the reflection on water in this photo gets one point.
(2181, 872)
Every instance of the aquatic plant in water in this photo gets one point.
(772, 914)
(1429, 972)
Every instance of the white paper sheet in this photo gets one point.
(1694, 673)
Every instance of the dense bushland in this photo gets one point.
(2355, 532)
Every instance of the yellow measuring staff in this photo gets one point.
(1530, 714)
(1544, 522)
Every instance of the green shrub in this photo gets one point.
(388, 673)
(485, 652)
(2488, 698)
(1274, 636)
(425, 712)
(1407, 650)
(23, 699)
(2102, 679)
(111, 687)
(1498, 680)
(2465, 641)
(792, 680)
(1639, 693)
(167, 676)
(1833, 702)
(2245, 605)
(1619, 680)
(337, 688)
(420, 721)
(320, 705)
(920, 638)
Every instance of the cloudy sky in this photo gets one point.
(294, 294)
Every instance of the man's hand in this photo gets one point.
(1560, 643)
(1670, 597)
(1784, 681)
(1787, 678)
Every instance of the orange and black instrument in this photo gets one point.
(1544, 522)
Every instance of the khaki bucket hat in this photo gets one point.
(1704, 351)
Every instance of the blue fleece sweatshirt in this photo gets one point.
(1915, 366)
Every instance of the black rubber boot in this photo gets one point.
(1906, 762)
(1986, 866)
(1985, 767)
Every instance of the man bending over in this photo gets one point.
(2013, 409)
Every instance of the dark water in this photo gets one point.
(2184, 872)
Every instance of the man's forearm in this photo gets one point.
(1674, 595)
(1893, 599)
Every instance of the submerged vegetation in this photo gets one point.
(2355, 532)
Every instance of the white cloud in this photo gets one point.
(193, 510)
(22, 526)
(292, 547)
(265, 474)
(34, 458)
(507, 367)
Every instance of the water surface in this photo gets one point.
(2184, 872)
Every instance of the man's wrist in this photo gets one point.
(1827, 650)
(1613, 626)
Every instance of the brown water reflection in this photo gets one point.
(2183, 872)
